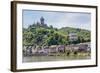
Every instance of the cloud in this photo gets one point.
(60, 19)
(77, 20)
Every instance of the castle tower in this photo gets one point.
(42, 20)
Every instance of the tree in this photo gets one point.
(27, 37)
(52, 31)
(39, 39)
(56, 29)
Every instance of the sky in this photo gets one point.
(58, 19)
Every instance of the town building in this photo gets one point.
(73, 36)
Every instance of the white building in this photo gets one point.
(73, 36)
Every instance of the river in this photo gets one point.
(52, 58)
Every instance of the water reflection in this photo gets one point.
(52, 58)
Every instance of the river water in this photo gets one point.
(52, 58)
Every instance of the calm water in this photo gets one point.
(52, 58)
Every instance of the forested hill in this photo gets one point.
(48, 35)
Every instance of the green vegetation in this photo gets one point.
(48, 35)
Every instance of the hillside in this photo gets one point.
(82, 33)
(47, 35)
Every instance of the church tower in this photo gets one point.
(42, 20)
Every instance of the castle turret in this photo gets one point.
(42, 20)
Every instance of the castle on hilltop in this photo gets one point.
(41, 22)
(72, 35)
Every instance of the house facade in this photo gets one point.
(72, 36)
(46, 50)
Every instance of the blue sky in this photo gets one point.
(58, 19)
